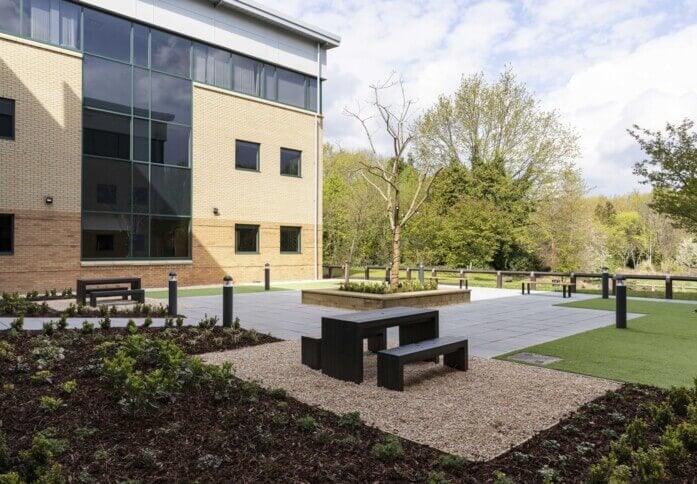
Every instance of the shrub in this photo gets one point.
(450, 461)
(131, 327)
(390, 449)
(500, 477)
(72, 309)
(46, 354)
(209, 461)
(600, 473)
(18, 323)
(6, 351)
(351, 420)
(148, 457)
(82, 433)
(306, 424)
(621, 451)
(661, 414)
(622, 474)
(278, 393)
(169, 323)
(87, 327)
(11, 478)
(147, 322)
(521, 457)
(50, 404)
(687, 433)
(38, 460)
(4, 452)
(616, 417)
(548, 474)
(113, 312)
(551, 444)
(648, 466)
(105, 322)
(103, 311)
(679, 398)
(692, 412)
(585, 448)
(180, 321)
(62, 323)
(208, 323)
(69, 387)
(636, 434)
(49, 327)
(436, 477)
(42, 376)
(673, 449)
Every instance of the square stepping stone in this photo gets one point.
(534, 358)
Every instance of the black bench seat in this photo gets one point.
(137, 295)
(391, 362)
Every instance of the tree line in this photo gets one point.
(486, 178)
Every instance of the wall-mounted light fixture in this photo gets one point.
(216, 211)
(48, 200)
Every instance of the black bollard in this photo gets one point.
(227, 302)
(669, 287)
(422, 276)
(267, 277)
(620, 303)
(462, 277)
(499, 280)
(605, 285)
(387, 274)
(172, 308)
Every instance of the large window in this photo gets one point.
(246, 155)
(290, 162)
(291, 87)
(115, 95)
(246, 75)
(9, 16)
(7, 118)
(247, 238)
(7, 229)
(53, 21)
(290, 239)
(107, 36)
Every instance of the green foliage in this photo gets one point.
(306, 424)
(635, 433)
(278, 393)
(450, 461)
(17, 324)
(131, 327)
(6, 351)
(11, 478)
(46, 354)
(50, 404)
(49, 327)
(180, 321)
(679, 398)
(661, 414)
(621, 451)
(87, 328)
(673, 449)
(390, 449)
(208, 322)
(648, 466)
(436, 477)
(39, 462)
(384, 288)
(209, 461)
(687, 433)
(105, 322)
(351, 420)
(500, 477)
(549, 474)
(147, 322)
(4, 452)
(600, 473)
(69, 387)
(62, 323)
(42, 377)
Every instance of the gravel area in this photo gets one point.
(478, 414)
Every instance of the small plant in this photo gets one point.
(687, 433)
(62, 323)
(131, 327)
(236, 324)
(49, 327)
(4, 452)
(692, 412)
(8, 388)
(17, 324)
(617, 417)
(500, 477)
(351, 420)
(71, 310)
(180, 322)
(521, 457)
(437, 477)
(450, 461)
(673, 449)
(648, 466)
(148, 457)
(551, 444)
(548, 474)
(277, 393)
(636, 434)
(585, 448)
(390, 449)
(38, 460)
(6, 351)
(105, 322)
(306, 424)
(147, 322)
(679, 398)
(69, 387)
(208, 323)
(570, 429)
(113, 312)
(81, 433)
(661, 414)
(169, 323)
(42, 377)
(103, 311)
(87, 328)
(50, 404)
(209, 461)
(621, 451)
(608, 433)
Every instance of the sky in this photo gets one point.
(604, 65)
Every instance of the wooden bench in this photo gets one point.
(391, 362)
(137, 295)
(83, 285)
(565, 286)
(89, 292)
(463, 281)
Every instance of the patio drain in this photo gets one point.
(534, 359)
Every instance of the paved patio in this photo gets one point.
(497, 321)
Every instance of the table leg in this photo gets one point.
(342, 351)
(377, 342)
(413, 333)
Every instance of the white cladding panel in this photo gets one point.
(220, 26)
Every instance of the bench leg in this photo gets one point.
(390, 373)
(457, 359)
(141, 298)
(522, 288)
(93, 300)
(311, 352)
(377, 342)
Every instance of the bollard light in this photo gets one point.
(227, 301)
(422, 276)
(605, 286)
(172, 309)
(620, 303)
(267, 277)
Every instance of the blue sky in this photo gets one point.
(602, 64)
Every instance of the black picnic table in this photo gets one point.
(343, 335)
(82, 285)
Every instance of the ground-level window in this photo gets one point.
(7, 118)
(247, 238)
(290, 162)
(7, 227)
(290, 239)
(246, 155)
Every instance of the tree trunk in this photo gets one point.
(396, 255)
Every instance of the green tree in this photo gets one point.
(671, 170)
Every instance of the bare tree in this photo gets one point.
(385, 173)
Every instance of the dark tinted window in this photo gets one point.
(106, 84)
(140, 45)
(290, 162)
(106, 134)
(141, 92)
(7, 223)
(105, 235)
(170, 53)
(312, 94)
(141, 187)
(170, 190)
(107, 35)
(70, 25)
(106, 185)
(291, 87)
(141, 139)
(247, 238)
(9, 16)
(169, 237)
(246, 75)
(7, 118)
(246, 155)
(170, 144)
(290, 239)
(141, 229)
(171, 98)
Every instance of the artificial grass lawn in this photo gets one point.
(659, 348)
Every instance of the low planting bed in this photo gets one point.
(133, 405)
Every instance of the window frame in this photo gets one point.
(300, 239)
(258, 145)
(11, 252)
(300, 163)
(13, 119)
(258, 237)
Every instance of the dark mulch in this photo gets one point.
(254, 436)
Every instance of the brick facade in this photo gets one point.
(45, 160)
